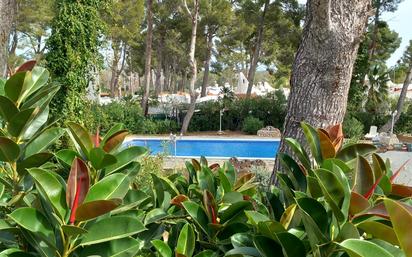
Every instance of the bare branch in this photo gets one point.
(187, 8)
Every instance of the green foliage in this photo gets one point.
(271, 110)
(73, 55)
(251, 125)
(353, 128)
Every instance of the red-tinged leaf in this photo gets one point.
(196, 164)
(115, 140)
(93, 209)
(214, 166)
(326, 146)
(303, 169)
(96, 138)
(178, 200)
(335, 131)
(372, 189)
(77, 186)
(337, 143)
(358, 203)
(401, 190)
(399, 171)
(378, 210)
(210, 206)
(243, 179)
(27, 66)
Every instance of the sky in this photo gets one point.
(401, 22)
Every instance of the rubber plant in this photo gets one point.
(25, 131)
(104, 156)
(74, 218)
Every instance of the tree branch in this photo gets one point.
(187, 9)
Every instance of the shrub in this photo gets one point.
(271, 109)
(251, 125)
(353, 128)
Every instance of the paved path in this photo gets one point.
(397, 160)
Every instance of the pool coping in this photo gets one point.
(193, 138)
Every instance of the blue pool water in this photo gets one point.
(240, 148)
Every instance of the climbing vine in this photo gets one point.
(73, 54)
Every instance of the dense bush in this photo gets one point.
(129, 113)
(251, 125)
(353, 128)
(270, 109)
(404, 124)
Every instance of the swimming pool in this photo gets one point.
(211, 147)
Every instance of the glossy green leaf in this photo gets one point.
(39, 98)
(288, 215)
(313, 218)
(112, 228)
(230, 172)
(9, 150)
(267, 247)
(14, 252)
(81, 137)
(124, 247)
(312, 138)
(295, 170)
(233, 210)
(255, 217)
(350, 152)
(66, 156)
(34, 221)
(242, 240)
(43, 141)
(114, 141)
(21, 121)
(363, 178)
(207, 253)
(162, 248)
(100, 159)
(243, 251)
(206, 179)
(14, 86)
(299, 151)
(363, 248)
(401, 218)
(224, 182)
(333, 191)
(70, 230)
(52, 188)
(125, 157)
(39, 77)
(291, 245)
(7, 109)
(379, 230)
(35, 160)
(93, 209)
(39, 120)
(114, 186)
(113, 130)
(198, 214)
(186, 242)
(155, 215)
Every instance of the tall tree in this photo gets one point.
(7, 18)
(217, 14)
(254, 58)
(148, 56)
(194, 17)
(323, 65)
(380, 6)
(73, 54)
(407, 62)
(123, 21)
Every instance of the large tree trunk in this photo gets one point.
(193, 67)
(401, 101)
(256, 51)
(7, 16)
(322, 69)
(209, 45)
(148, 60)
